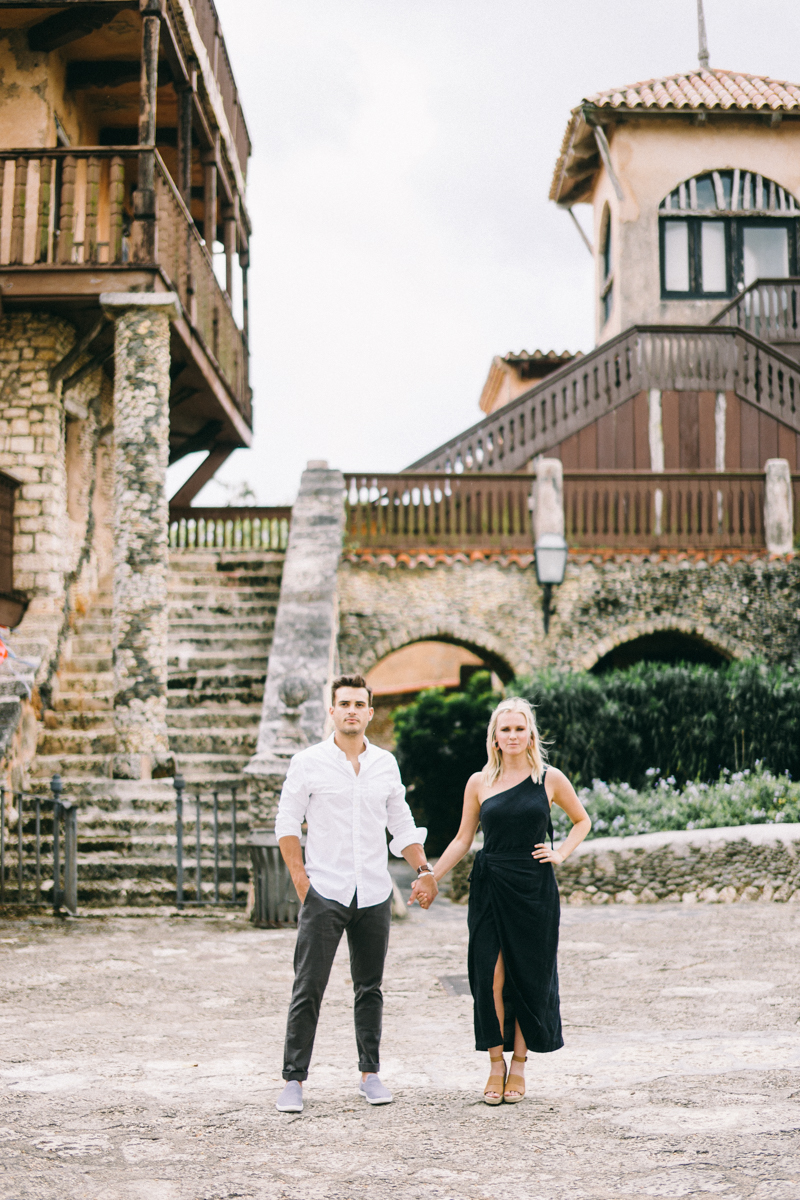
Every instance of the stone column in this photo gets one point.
(141, 559)
(778, 507)
(303, 654)
(548, 498)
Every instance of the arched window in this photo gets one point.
(607, 271)
(722, 230)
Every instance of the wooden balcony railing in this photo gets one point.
(208, 25)
(769, 309)
(614, 510)
(457, 511)
(69, 209)
(680, 358)
(229, 528)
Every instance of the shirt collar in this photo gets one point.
(340, 754)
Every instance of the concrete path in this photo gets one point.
(141, 1059)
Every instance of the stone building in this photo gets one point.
(170, 636)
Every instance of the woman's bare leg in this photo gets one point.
(497, 988)
(517, 1068)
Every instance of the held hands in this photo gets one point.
(543, 853)
(424, 891)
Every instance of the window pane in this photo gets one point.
(766, 253)
(676, 256)
(706, 196)
(712, 249)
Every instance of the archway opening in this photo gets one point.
(667, 646)
(400, 677)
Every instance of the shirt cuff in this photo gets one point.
(398, 844)
(286, 826)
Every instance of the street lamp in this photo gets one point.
(550, 553)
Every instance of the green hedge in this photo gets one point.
(689, 721)
(683, 723)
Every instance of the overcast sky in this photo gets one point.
(402, 157)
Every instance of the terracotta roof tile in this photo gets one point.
(704, 88)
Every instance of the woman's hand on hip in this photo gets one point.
(545, 853)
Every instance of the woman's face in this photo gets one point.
(511, 733)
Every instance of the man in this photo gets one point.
(348, 792)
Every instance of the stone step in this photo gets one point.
(71, 742)
(229, 638)
(231, 716)
(221, 665)
(91, 643)
(219, 765)
(82, 702)
(183, 697)
(44, 766)
(75, 720)
(80, 681)
(209, 740)
(207, 679)
(92, 664)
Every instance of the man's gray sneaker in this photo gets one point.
(374, 1092)
(291, 1098)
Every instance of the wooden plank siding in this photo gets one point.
(619, 440)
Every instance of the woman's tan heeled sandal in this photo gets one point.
(498, 1098)
(519, 1088)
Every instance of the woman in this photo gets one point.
(513, 902)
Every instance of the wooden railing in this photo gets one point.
(680, 358)
(208, 27)
(769, 309)
(229, 528)
(69, 208)
(457, 511)
(615, 510)
(680, 510)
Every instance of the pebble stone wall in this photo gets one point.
(743, 605)
(744, 863)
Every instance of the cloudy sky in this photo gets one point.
(402, 156)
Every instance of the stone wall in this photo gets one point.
(746, 862)
(744, 605)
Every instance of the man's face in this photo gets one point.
(351, 711)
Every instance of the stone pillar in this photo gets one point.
(141, 513)
(778, 508)
(548, 498)
(303, 654)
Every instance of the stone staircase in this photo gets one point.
(222, 606)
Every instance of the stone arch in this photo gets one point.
(723, 644)
(480, 643)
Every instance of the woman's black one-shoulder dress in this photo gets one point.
(514, 907)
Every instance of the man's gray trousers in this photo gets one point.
(319, 931)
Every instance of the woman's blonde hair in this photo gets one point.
(537, 755)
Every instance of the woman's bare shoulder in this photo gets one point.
(554, 779)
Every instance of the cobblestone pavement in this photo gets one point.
(141, 1060)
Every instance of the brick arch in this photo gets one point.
(726, 645)
(479, 641)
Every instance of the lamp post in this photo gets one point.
(550, 553)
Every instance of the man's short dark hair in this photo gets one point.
(351, 681)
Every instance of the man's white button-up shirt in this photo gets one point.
(347, 817)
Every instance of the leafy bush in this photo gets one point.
(686, 723)
(441, 741)
(689, 721)
(746, 797)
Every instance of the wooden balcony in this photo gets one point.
(68, 232)
(668, 357)
(604, 510)
(769, 309)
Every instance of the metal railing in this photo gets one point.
(68, 208)
(667, 357)
(687, 510)
(768, 308)
(275, 901)
(431, 510)
(211, 856)
(229, 528)
(36, 866)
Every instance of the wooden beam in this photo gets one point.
(605, 154)
(64, 27)
(83, 343)
(198, 441)
(210, 196)
(207, 470)
(145, 198)
(87, 368)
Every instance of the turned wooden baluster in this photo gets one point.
(18, 215)
(116, 200)
(66, 216)
(92, 199)
(42, 252)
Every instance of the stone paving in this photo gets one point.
(141, 1059)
